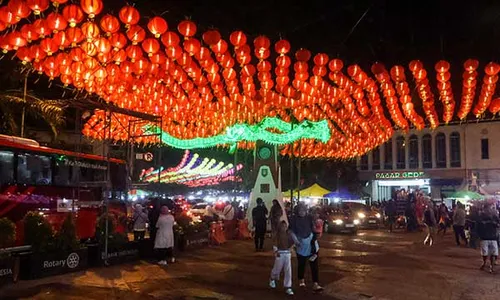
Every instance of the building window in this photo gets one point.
(485, 149)
(376, 159)
(400, 152)
(388, 155)
(364, 162)
(440, 150)
(427, 151)
(455, 150)
(413, 149)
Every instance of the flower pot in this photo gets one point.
(6, 269)
(195, 240)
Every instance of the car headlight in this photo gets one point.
(361, 215)
(339, 222)
(377, 215)
(356, 222)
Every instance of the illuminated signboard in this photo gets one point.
(399, 175)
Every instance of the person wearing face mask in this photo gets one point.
(302, 230)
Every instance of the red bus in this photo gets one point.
(56, 182)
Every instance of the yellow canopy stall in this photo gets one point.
(314, 191)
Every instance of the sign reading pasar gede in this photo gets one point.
(400, 175)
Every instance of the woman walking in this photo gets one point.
(275, 216)
(164, 242)
(302, 228)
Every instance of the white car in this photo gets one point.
(199, 209)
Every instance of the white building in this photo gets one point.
(438, 161)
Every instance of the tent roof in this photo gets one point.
(314, 190)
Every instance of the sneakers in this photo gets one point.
(317, 287)
(289, 291)
(162, 262)
(272, 283)
(302, 283)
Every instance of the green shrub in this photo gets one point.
(66, 239)
(114, 238)
(37, 232)
(7, 233)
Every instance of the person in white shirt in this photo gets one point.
(228, 212)
(229, 222)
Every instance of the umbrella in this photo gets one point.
(466, 195)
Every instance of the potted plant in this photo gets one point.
(119, 248)
(52, 253)
(7, 239)
(190, 234)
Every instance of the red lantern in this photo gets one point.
(48, 46)
(91, 7)
(56, 3)
(136, 34)
(74, 35)
(16, 40)
(110, 24)
(187, 28)
(19, 9)
(118, 40)
(170, 39)
(492, 69)
(238, 38)
(150, 46)
(6, 16)
(90, 30)
(303, 55)
(28, 32)
(103, 45)
(129, 15)
(282, 47)
(211, 37)
(261, 43)
(157, 26)
(61, 40)
(41, 27)
(73, 14)
(192, 46)
(56, 22)
(37, 6)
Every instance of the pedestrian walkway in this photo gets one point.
(372, 265)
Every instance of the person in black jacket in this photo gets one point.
(487, 231)
(259, 217)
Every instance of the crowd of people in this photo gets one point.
(481, 224)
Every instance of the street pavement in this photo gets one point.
(373, 265)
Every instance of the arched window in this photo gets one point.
(427, 151)
(376, 159)
(413, 151)
(400, 152)
(388, 155)
(455, 150)
(440, 150)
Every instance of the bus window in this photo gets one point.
(62, 174)
(34, 169)
(6, 167)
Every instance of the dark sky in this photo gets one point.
(391, 31)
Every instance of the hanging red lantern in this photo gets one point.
(90, 31)
(37, 6)
(150, 46)
(74, 35)
(73, 14)
(157, 26)
(56, 3)
(6, 16)
(129, 15)
(41, 27)
(19, 9)
(16, 40)
(103, 45)
(238, 38)
(91, 7)
(492, 69)
(282, 47)
(211, 37)
(56, 22)
(187, 28)
(109, 24)
(28, 32)
(134, 52)
(192, 46)
(136, 34)
(3, 26)
(303, 55)
(61, 40)
(48, 46)
(24, 55)
(118, 41)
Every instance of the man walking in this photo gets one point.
(459, 223)
(259, 217)
(487, 231)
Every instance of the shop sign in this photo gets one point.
(399, 175)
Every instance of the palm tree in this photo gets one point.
(15, 103)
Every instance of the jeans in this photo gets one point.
(283, 262)
(459, 233)
(260, 234)
(302, 260)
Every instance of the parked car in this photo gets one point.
(339, 220)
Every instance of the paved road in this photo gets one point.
(371, 265)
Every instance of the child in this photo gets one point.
(317, 232)
(283, 258)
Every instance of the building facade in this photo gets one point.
(438, 161)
